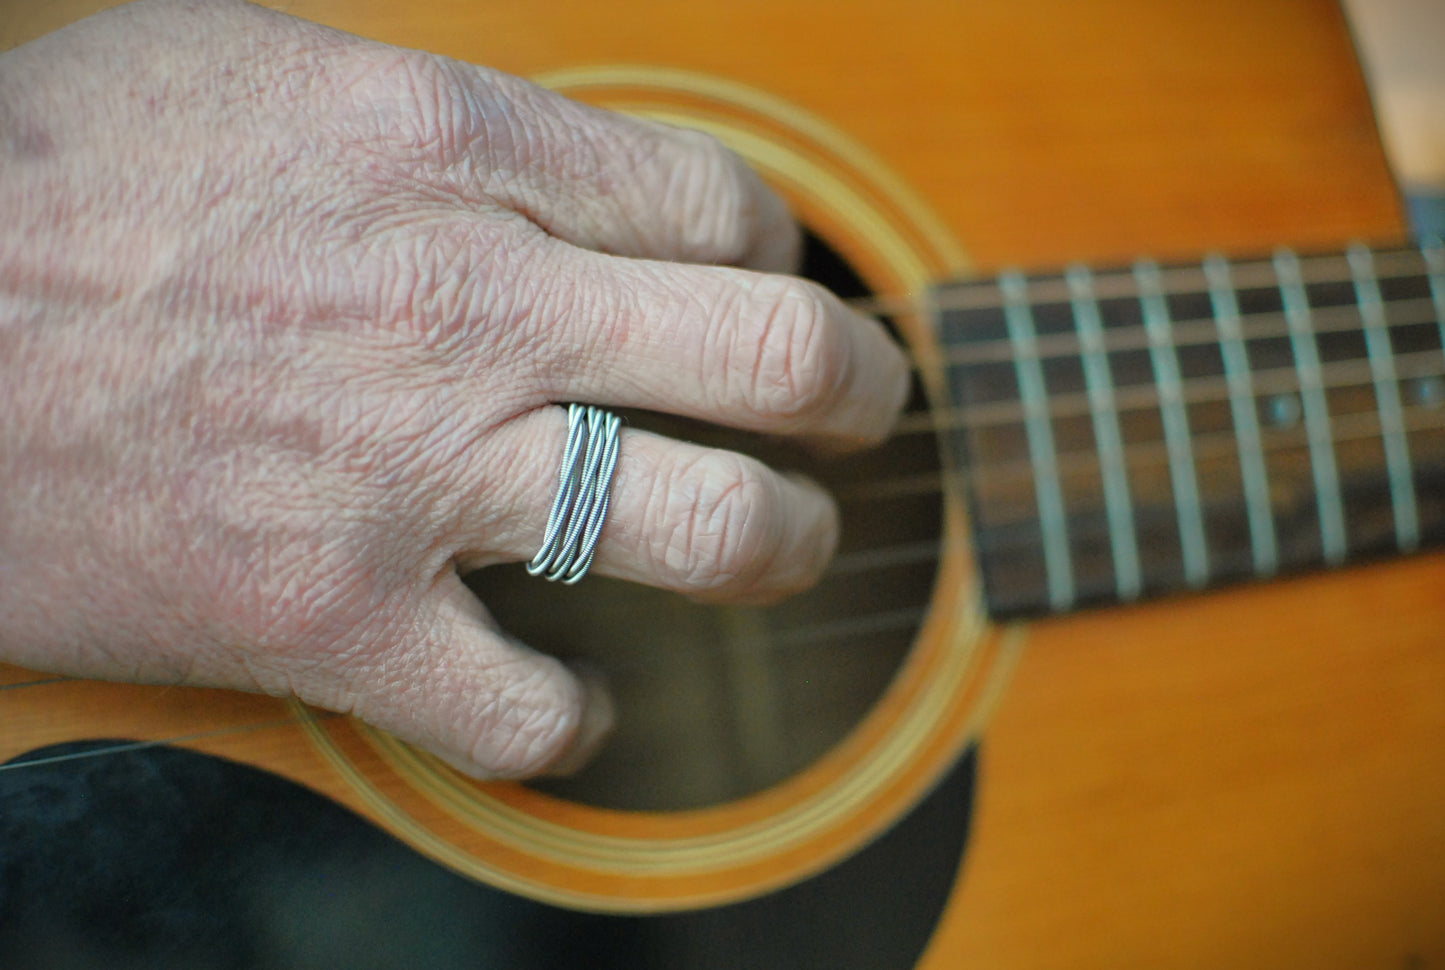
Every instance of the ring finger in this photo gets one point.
(703, 521)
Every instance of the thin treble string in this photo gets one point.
(871, 623)
(1188, 334)
(883, 557)
(125, 746)
(1422, 365)
(41, 682)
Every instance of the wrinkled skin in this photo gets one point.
(284, 315)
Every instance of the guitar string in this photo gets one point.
(127, 746)
(35, 683)
(930, 484)
(882, 557)
(868, 624)
(914, 553)
(1417, 366)
(1360, 425)
(1357, 426)
(909, 553)
(843, 564)
(871, 623)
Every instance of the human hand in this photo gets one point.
(283, 317)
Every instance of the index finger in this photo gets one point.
(595, 178)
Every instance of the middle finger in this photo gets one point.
(767, 353)
(707, 522)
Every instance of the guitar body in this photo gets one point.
(1250, 778)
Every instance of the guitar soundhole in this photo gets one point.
(716, 703)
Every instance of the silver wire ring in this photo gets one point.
(584, 488)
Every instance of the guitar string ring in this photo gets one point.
(583, 491)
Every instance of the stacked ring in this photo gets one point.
(583, 489)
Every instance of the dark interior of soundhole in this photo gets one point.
(715, 703)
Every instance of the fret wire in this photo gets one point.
(1195, 333)
(1185, 279)
(1192, 543)
(1316, 409)
(1387, 400)
(1058, 565)
(1434, 253)
(1107, 436)
(1419, 364)
(1253, 471)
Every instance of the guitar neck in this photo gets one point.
(1147, 430)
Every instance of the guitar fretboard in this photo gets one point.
(1147, 429)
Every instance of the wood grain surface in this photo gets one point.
(1248, 779)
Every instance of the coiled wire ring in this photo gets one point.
(583, 491)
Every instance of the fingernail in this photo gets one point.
(598, 717)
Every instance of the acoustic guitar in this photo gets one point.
(1134, 654)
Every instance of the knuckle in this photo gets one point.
(800, 361)
(422, 107)
(420, 84)
(441, 283)
(712, 190)
(721, 511)
(421, 285)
